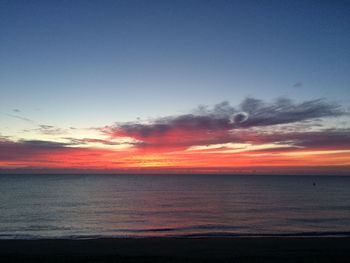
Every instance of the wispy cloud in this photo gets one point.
(18, 117)
(51, 130)
(297, 84)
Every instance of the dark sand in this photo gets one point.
(266, 249)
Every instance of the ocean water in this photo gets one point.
(93, 206)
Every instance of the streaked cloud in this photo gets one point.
(51, 130)
(240, 147)
(224, 123)
(18, 117)
(15, 150)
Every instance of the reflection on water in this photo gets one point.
(171, 205)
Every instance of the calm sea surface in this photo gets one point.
(92, 206)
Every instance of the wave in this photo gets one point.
(191, 235)
(180, 229)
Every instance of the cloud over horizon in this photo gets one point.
(224, 123)
(254, 132)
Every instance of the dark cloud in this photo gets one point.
(331, 138)
(298, 84)
(27, 149)
(284, 111)
(43, 144)
(222, 118)
(253, 121)
(181, 123)
(16, 110)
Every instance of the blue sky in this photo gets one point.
(117, 85)
(112, 84)
(95, 62)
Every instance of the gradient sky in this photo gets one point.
(175, 85)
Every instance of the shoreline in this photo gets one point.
(325, 234)
(220, 249)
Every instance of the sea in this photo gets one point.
(188, 205)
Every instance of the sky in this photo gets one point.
(175, 86)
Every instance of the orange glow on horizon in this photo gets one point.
(90, 158)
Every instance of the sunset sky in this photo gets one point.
(175, 86)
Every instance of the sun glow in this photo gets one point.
(239, 147)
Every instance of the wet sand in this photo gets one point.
(264, 249)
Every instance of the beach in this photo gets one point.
(250, 249)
